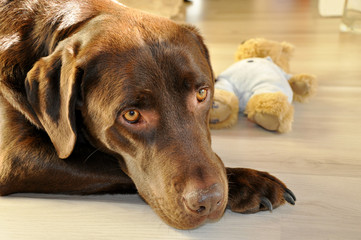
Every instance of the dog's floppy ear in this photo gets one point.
(51, 88)
(194, 30)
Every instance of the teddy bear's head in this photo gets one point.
(280, 52)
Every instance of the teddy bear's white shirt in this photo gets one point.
(253, 76)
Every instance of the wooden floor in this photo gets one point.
(320, 160)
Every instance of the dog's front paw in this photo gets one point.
(251, 191)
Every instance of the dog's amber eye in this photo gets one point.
(201, 94)
(132, 116)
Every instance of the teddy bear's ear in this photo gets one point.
(285, 56)
(287, 47)
(246, 49)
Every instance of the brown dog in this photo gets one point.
(100, 98)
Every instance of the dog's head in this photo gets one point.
(144, 90)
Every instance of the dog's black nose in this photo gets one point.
(204, 201)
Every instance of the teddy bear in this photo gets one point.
(259, 85)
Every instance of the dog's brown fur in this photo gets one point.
(71, 69)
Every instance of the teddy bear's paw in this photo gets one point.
(224, 111)
(271, 111)
(267, 121)
(252, 191)
(303, 86)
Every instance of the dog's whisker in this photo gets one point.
(91, 154)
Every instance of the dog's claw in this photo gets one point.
(266, 203)
(289, 197)
(291, 193)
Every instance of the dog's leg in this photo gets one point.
(252, 191)
(36, 169)
(33, 170)
(28, 163)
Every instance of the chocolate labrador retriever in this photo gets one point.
(100, 98)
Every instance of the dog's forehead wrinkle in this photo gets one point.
(174, 62)
(168, 66)
(136, 96)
